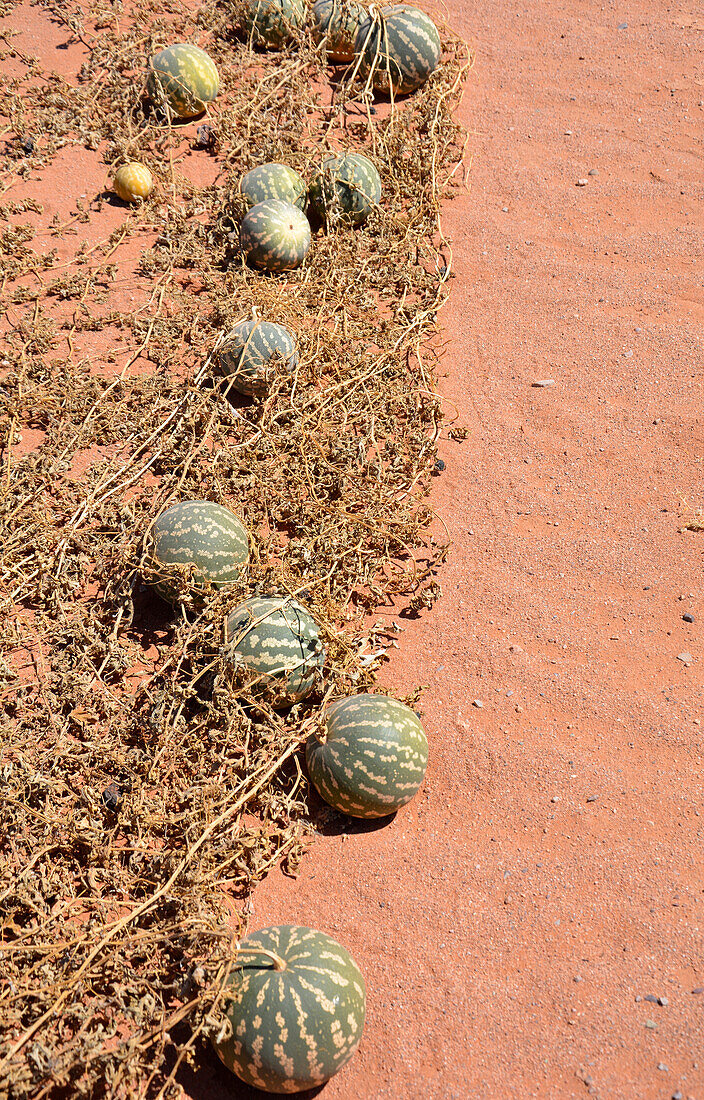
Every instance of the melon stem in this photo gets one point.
(279, 963)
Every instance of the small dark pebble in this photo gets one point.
(207, 138)
(111, 797)
(372, 110)
(623, 26)
(677, 1095)
(652, 998)
(26, 145)
(688, 618)
(698, 989)
(439, 466)
(592, 797)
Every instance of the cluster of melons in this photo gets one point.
(397, 47)
(275, 233)
(296, 997)
(371, 757)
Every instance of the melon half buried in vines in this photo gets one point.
(346, 188)
(272, 23)
(401, 47)
(253, 351)
(202, 538)
(182, 79)
(277, 642)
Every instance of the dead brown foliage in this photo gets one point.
(144, 793)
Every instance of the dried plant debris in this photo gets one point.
(146, 788)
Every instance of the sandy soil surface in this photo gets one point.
(520, 920)
(531, 925)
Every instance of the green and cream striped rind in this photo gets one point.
(347, 186)
(272, 23)
(202, 535)
(277, 640)
(273, 181)
(336, 23)
(250, 351)
(292, 1029)
(373, 758)
(183, 78)
(402, 46)
(275, 236)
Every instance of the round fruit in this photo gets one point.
(271, 23)
(251, 349)
(297, 1005)
(201, 535)
(133, 182)
(372, 757)
(183, 79)
(336, 22)
(277, 640)
(346, 187)
(273, 181)
(401, 45)
(275, 235)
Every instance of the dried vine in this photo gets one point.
(144, 791)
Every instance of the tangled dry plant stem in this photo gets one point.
(146, 790)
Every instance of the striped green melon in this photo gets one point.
(273, 181)
(272, 23)
(371, 759)
(275, 235)
(277, 640)
(251, 351)
(401, 45)
(347, 187)
(296, 1009)
(336, 22)
(183, 79)
(202, 536)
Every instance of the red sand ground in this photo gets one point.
(511, 921)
